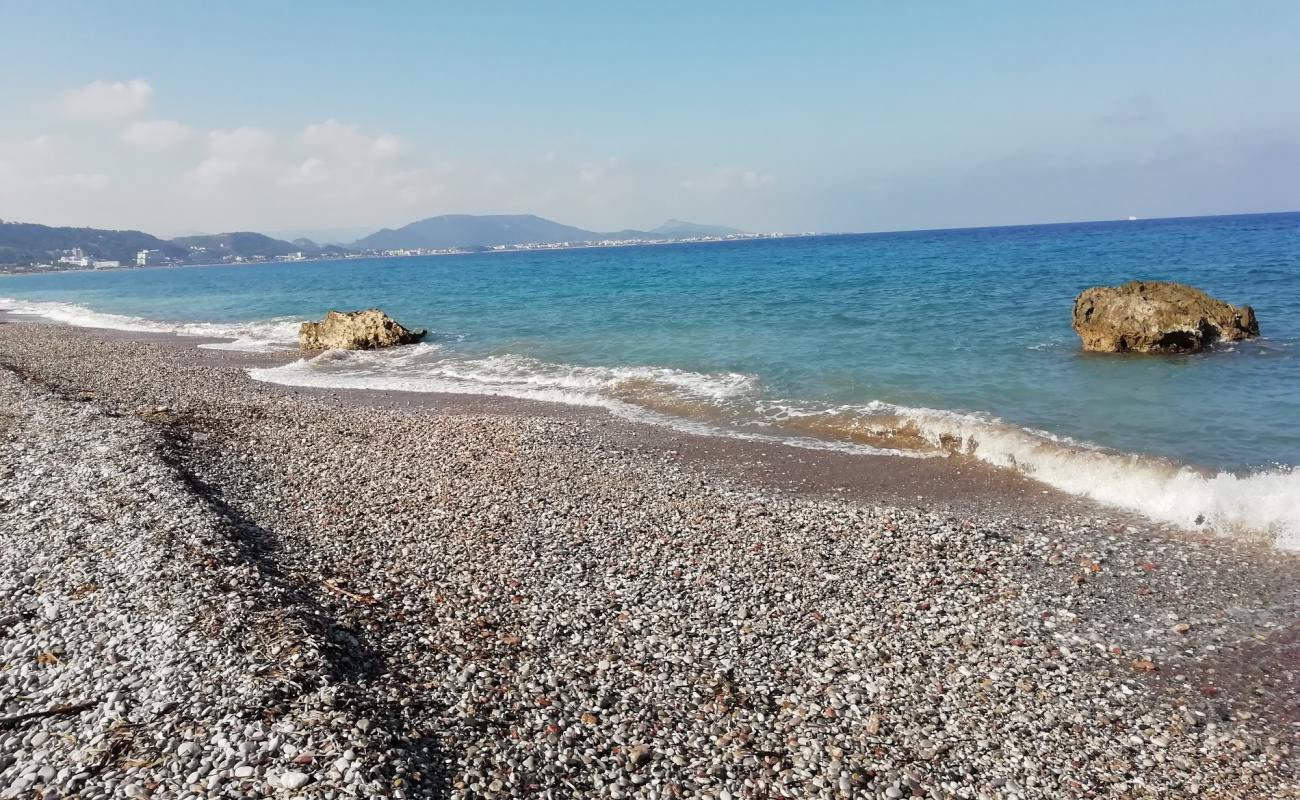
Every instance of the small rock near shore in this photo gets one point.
(370, 329)
(1157, 317)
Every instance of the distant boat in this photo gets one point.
(1132, 219)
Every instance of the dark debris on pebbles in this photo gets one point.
(214, 588)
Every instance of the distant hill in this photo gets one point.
(322, 236)
(241, 243)
(677, 229)
(467, 230)
(27, 243)
(251, 245)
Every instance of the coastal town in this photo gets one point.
(264, 249)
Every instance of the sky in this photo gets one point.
(340, 118)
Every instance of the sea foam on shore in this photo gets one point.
(1265, 503)
(260, 336)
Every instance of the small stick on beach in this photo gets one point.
(364, 599)
(9, 722)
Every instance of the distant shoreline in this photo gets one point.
(4, 271)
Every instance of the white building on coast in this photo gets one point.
(75, 257)
(148, 258)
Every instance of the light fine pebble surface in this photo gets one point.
(216, 588)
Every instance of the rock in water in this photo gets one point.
(355, 330)
(1157, 317)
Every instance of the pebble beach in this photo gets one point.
(212, 587)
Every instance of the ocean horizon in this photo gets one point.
(926, 343)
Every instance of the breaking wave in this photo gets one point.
(1266, 502)
(691, 402)
(262, 336)
(733, 404)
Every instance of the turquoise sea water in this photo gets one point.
(923, 342)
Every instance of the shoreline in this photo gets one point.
(985, 459)
(952, 481)
(480, 596)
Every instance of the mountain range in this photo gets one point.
(254, 245)
(24, 243)
(465, 230)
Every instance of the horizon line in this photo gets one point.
(786, 233)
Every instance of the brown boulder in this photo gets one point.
(1157, 317)
(355, 330)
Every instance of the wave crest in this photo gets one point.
(1265, 502)
(262, 336)
(691, 402)
(733, 404)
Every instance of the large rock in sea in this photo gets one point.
(1157, 317)
(355, 330)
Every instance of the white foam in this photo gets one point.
(419, 369)
(1266, 502)
(413, 369)
(261, 336)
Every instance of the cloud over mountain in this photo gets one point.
(106, 100)
(155, 134)
(169, 174)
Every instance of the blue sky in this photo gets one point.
(813, 116)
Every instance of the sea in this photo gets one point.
(925, 344)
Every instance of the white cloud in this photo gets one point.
(42, 144)
(25, 163)
(386, 146)
(239, 152)
(240, 143)
(105, 100)
(166, 175)
(726, 179)
(345, 139)
(217, 169)
(155, 134)
(312, 170)
(80, 180)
